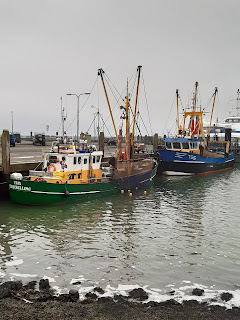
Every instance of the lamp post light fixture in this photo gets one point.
(78, 96)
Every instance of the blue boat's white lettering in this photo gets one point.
(192, 157)
(179, 155)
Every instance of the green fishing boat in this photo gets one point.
(67, 175)
(70, 173)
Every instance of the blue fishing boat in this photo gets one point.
(187, 153)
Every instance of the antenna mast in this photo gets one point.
(135, 111)
(100, 73)
(127, 125)
(214, 95)
(63, 117)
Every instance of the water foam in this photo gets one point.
(14, 262)
(210, 296)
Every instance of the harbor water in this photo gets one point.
(183, 233)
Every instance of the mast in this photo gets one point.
(63, 118)
(195, 96)
(214, 95)
(127, 125)
(194, 125)
(98, 127)
(100, 73)
(180, 129)
(135, 111)
(238, 94)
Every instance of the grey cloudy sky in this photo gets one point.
(49, 48)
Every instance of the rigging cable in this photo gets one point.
(147, 105)
(95, 115)
(169, 114)
(120, 95)
(144, 125)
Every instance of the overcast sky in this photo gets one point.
(49, 48)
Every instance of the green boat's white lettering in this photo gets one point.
(18, 183)
(19, 187)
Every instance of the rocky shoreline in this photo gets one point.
(18, 301)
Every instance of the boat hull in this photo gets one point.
(138, 181)
(134, 175)
(38, 193)
(183, 163)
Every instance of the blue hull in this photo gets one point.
(189, 163)
(139, 181)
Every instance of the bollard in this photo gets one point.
(6, 153)
(155, 142)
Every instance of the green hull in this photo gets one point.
(38, 193)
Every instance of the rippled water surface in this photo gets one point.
(186, 229)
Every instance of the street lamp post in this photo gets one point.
(78, 96)
(12, 120)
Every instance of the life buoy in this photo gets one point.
(51, 168)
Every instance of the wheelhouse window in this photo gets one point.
(185, 145)
(168, 145)
(71, 176)
(176, 145)
(85, 161)
(79, 160)
(75, 160)
(98, 158)
(52, 159)
(194, 145)
(93, 159)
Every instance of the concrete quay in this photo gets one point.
(25, 156)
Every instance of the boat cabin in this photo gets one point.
(70, 166)
(232, 120)
(188, 145)
(64, 162)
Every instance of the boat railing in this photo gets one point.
(36, 173)
(40, 177)
(89, 181)
(134, 160)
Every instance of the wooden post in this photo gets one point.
(101, 142)
(155, 142)
(6, 153)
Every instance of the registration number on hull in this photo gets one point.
(180, 155)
